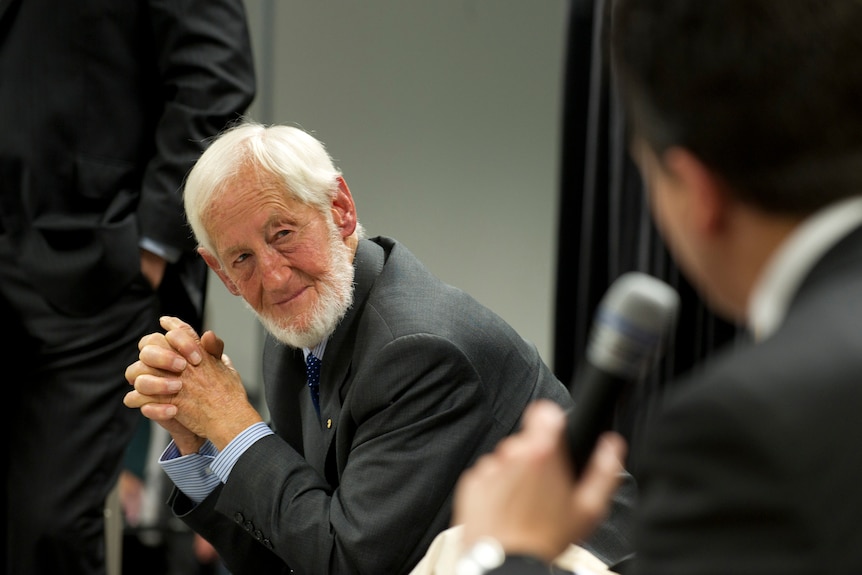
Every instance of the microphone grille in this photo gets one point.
(632, 325)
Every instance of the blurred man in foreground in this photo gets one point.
(748, 131)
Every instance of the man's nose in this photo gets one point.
(275, 270)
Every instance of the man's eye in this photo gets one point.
(282, 234)
(241, 258)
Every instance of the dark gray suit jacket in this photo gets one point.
(751, 463)
(418, 380)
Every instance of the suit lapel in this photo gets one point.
(285, 371)
(335, 372)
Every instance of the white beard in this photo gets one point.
(335, 296)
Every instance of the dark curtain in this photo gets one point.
(604, 227)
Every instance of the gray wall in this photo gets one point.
(444, 117)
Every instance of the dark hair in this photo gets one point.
(768, 93)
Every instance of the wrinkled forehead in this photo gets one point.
(249, 196)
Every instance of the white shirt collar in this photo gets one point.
(317, 350)
(786, 269)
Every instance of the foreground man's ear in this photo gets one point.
(710, 196)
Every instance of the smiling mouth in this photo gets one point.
(291, 298)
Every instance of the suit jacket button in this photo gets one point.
(258, 535)
(268, 544)
(238, 517)
(248, 526)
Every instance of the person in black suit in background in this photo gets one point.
(748, 131)
(104, 107)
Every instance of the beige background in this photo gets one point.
(444, 117)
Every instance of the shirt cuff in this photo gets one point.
(224, 461)
(169, 253)
(198, 474)
(192, 473)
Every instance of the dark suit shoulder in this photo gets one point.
(409, 299)
(750, 453)
(408, 304)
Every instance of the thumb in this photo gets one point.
(212, 344)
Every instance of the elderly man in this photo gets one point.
(382, 382)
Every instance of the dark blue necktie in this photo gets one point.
(312, 371)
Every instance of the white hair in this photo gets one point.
(288, 154)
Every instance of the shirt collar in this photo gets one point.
(316, 350)
(796, 256)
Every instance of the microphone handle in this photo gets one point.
(596, 401)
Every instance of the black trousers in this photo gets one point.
(64, 386)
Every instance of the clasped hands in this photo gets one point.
(185, 383)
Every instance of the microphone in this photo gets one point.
(628, 337)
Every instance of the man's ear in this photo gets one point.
(215, 266)
(343, 209)
(709, 194)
